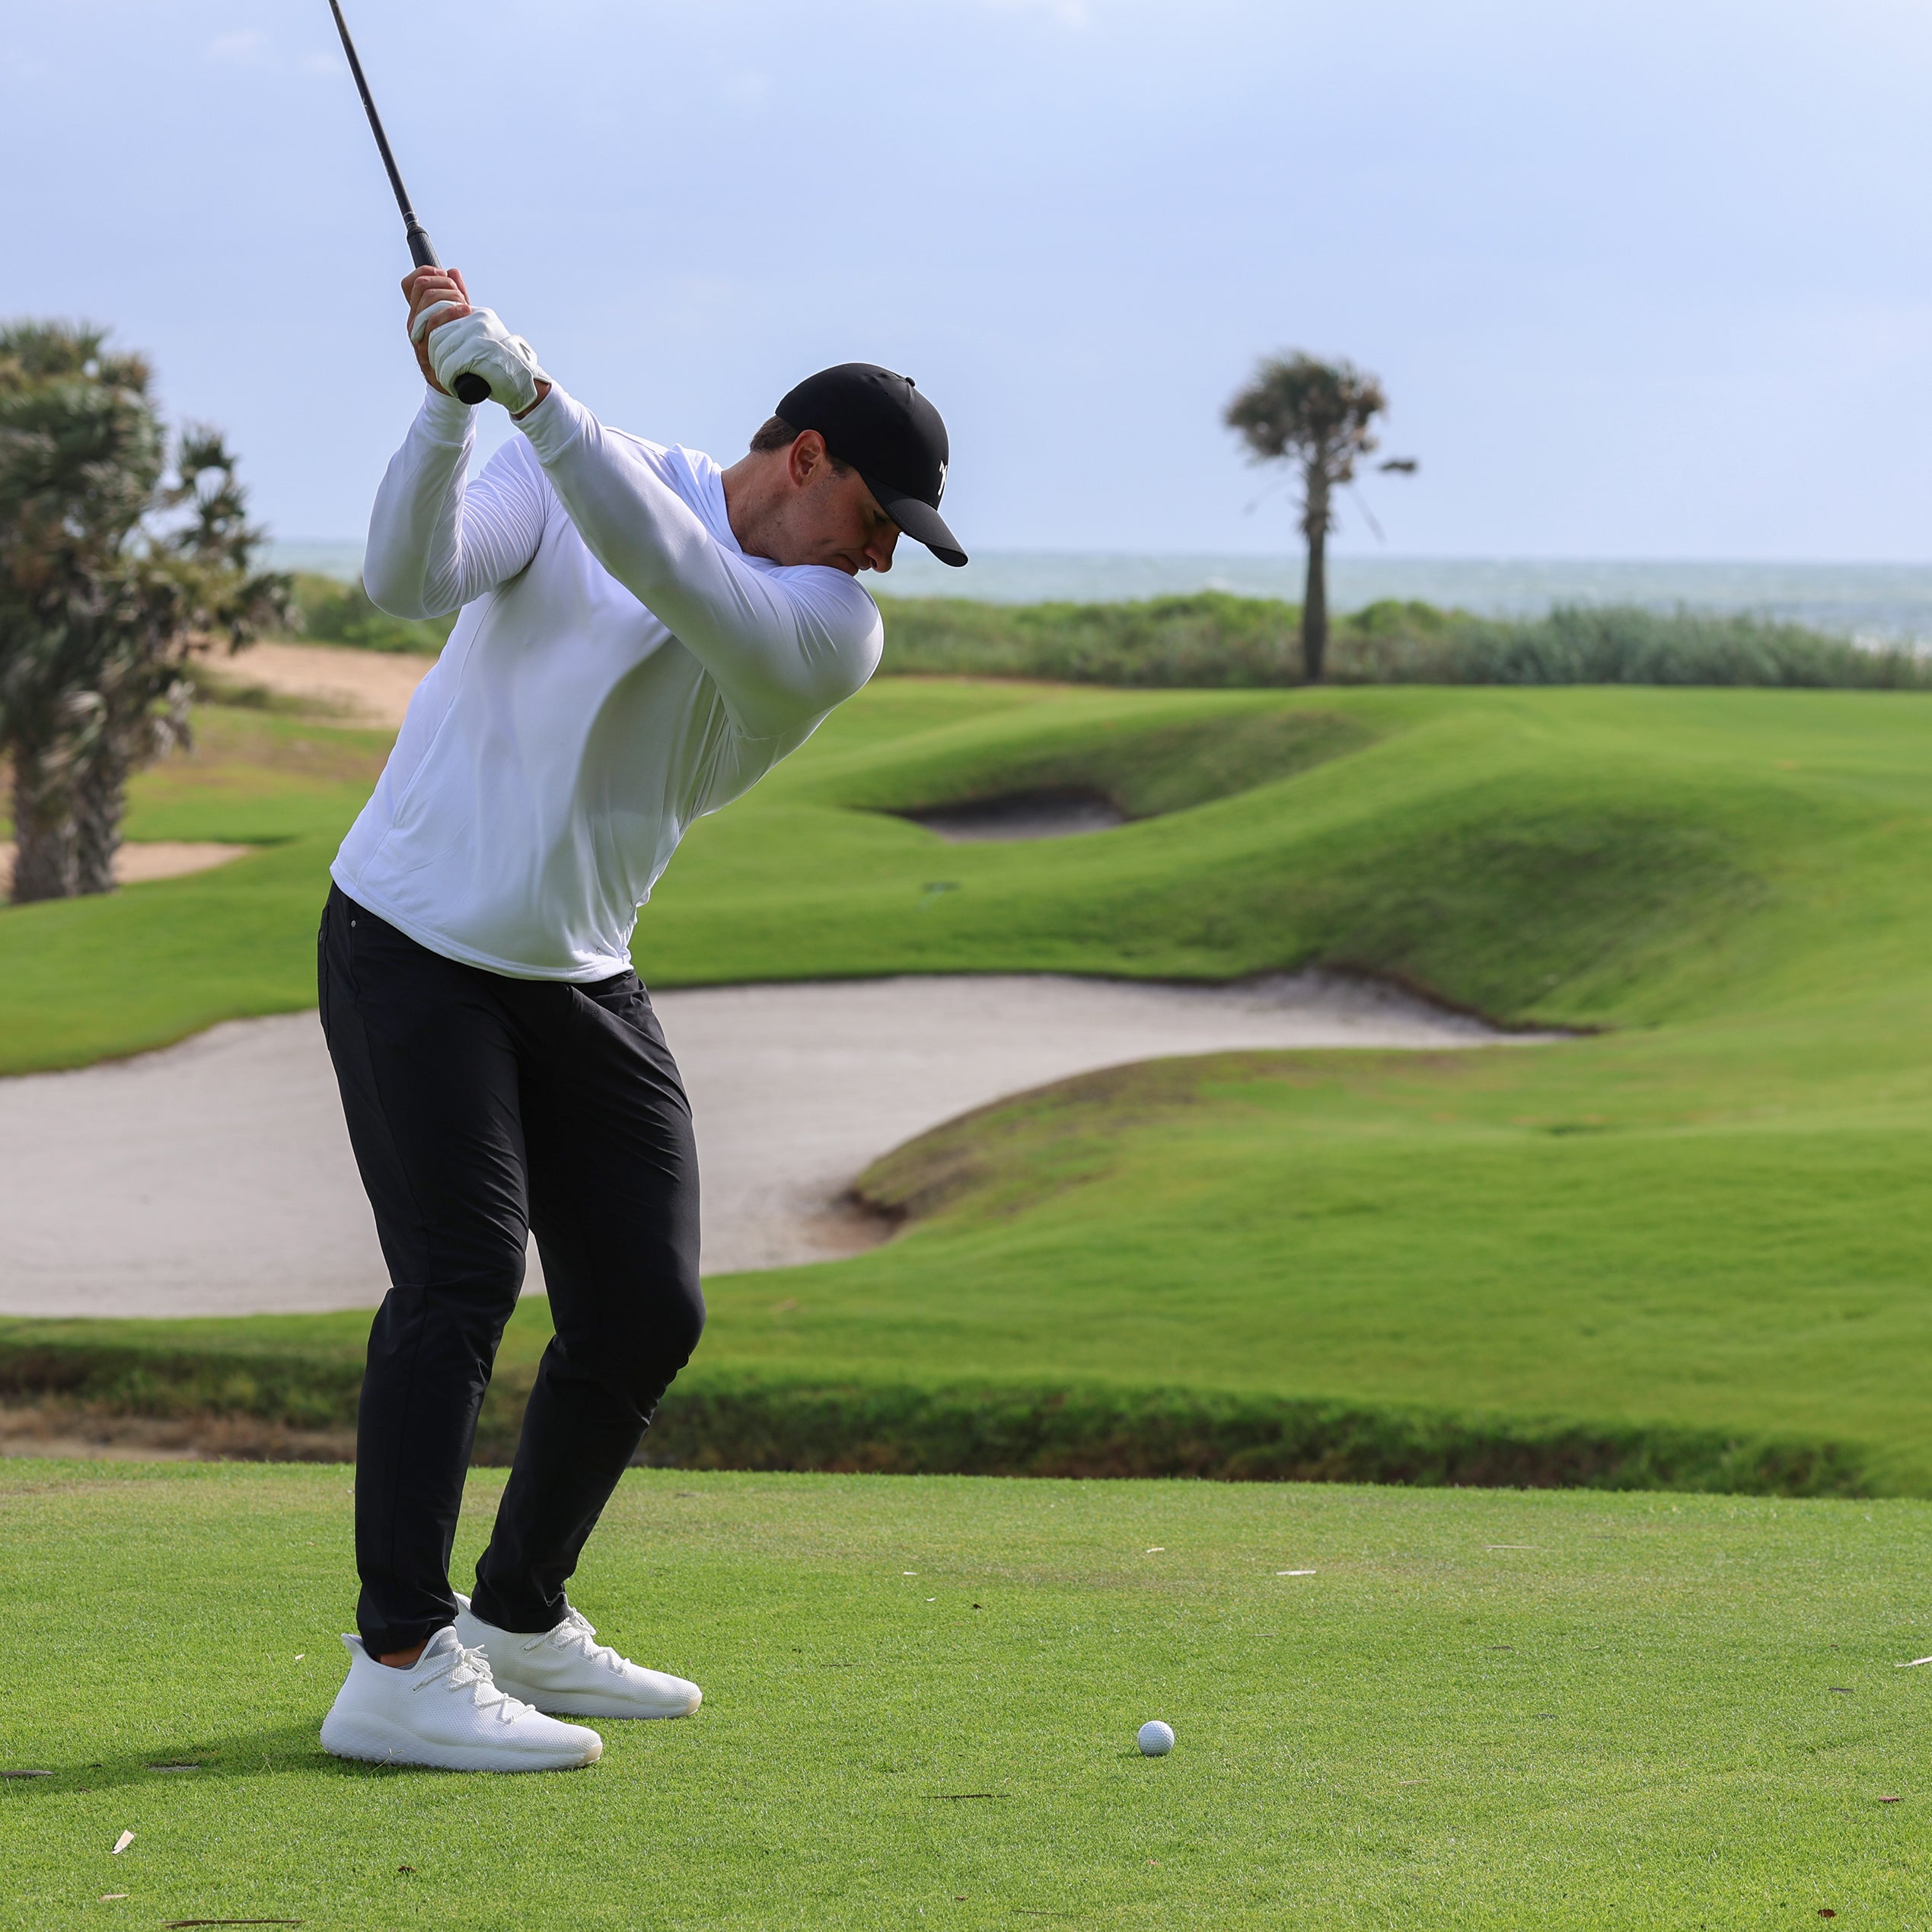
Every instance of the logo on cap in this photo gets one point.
(941, 490)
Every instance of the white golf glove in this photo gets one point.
(478, 344)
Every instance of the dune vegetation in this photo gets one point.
(329, 611)
(1212, 639)
(1215, 640)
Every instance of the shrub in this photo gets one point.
(335, 613)
(1215, 640)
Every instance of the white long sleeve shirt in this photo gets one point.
(621, 667)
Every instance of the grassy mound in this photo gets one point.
(1479, 1710)
(1575, 856)
(1145, 765)
(1582, 857)
(1691, 1248)
(1639, 1232)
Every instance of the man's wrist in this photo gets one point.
(543, 390)
(554, 425)
(446, 419)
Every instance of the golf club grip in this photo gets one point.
(470, 389)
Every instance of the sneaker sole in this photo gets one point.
(607, 1708)
(370, 1741)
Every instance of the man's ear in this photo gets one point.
(806, 457)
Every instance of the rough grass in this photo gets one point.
(284, 1389)
(1482, 1710)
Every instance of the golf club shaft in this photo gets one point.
(470, 389)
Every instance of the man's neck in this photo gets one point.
(748, 506)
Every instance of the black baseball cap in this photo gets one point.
(879, 423)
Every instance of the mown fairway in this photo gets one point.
(1548, 1711)
(1712, 1215)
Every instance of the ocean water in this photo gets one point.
(1876, 603)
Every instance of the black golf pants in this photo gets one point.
(482, 1109)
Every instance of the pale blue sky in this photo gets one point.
(1644, 278)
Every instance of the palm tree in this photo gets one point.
(112, 573)
(187, 586)
(81, 451)
(1299, 409)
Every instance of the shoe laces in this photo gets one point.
(576, 1633)
(470, 1669)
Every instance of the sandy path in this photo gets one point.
(215, 1177)
(366, 687)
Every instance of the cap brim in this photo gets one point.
(920, 520)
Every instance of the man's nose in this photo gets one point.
(880, 550)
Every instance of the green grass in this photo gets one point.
(1701, 1233)
(1567, 1713)
(83, 979)
(1581, 857)
(1585, 857)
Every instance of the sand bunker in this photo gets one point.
(215, 1177)
(1053, 814)
(151, 858)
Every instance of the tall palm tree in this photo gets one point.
(1300, 410)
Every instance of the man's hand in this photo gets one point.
(438, 298)
(428, 288)
(477, 344)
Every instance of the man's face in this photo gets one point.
(830, 517)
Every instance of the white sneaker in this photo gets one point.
(567, 1670)
(445, 1710)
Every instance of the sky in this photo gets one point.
(1642, 277)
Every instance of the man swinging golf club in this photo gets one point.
(643, 636)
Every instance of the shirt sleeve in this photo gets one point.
(438, 541)
(783, 647)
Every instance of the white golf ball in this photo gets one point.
(1156, 1739)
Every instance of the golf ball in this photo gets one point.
(1156, 1739)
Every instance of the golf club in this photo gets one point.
(471, 389)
